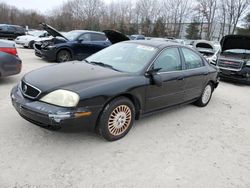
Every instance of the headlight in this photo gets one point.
(248, 63)
(62, 98)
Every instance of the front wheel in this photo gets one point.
(63, 56)
(206, 96)
(116, 119)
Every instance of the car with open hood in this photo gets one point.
(110, 89)
(234, 58)
(73, 45)
(206, 48)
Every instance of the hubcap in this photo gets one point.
(119, 120)
(206, 94)
(64, 57)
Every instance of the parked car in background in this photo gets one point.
(74, 45)
(234, 59)
(28, 40)
(11, 31)
(110, 89)
(162, 39)
(10, 64)
(137, 37)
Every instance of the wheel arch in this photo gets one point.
(214, 84)
(129, 96)
(65, 48)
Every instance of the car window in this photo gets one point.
(85, 37)
(98, 37)
(192, 60)
(20, 29)
(12, 29)
(169, 60)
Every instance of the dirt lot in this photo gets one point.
(183, 147)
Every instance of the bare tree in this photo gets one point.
(235, 9)
(208, 8)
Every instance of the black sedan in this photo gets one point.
(115, 86)
(10, 64)
(74, 45)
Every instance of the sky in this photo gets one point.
(41, 6)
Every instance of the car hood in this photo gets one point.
(43, 39)
(52, 31)
(74, 76)
(235, 42)
(115, 36)
(27, 37)
(203, 45)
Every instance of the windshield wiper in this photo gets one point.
(101, 64)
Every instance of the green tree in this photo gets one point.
(246, 29)
(193, 30)
(159, 28)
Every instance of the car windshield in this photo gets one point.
(237, 51)
(72, 35)
(124, 57)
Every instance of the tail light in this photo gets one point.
(11, 51)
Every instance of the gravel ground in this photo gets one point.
(183, 147)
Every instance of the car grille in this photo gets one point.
(230, 65)
(29, 90)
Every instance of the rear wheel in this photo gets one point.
(116, 119)
(206, 96)
(63, 56)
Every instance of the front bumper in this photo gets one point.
(49, 54)
(51, 116)
(242, 76)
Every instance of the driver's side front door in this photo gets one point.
(172, 90)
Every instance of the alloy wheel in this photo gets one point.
(119, 120)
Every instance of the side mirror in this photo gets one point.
(156, 78)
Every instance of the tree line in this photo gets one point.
(159, 18)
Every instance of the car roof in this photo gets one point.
(155, 43)
(11, 25)
(87, 31)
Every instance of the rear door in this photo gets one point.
(98, 42)
(194, 74)
(90, 43)
(172, 90)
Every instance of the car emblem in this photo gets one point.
(25, 88)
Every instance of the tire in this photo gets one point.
(116, 119)
(63, 56)
(31, 43)
(205, 96)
